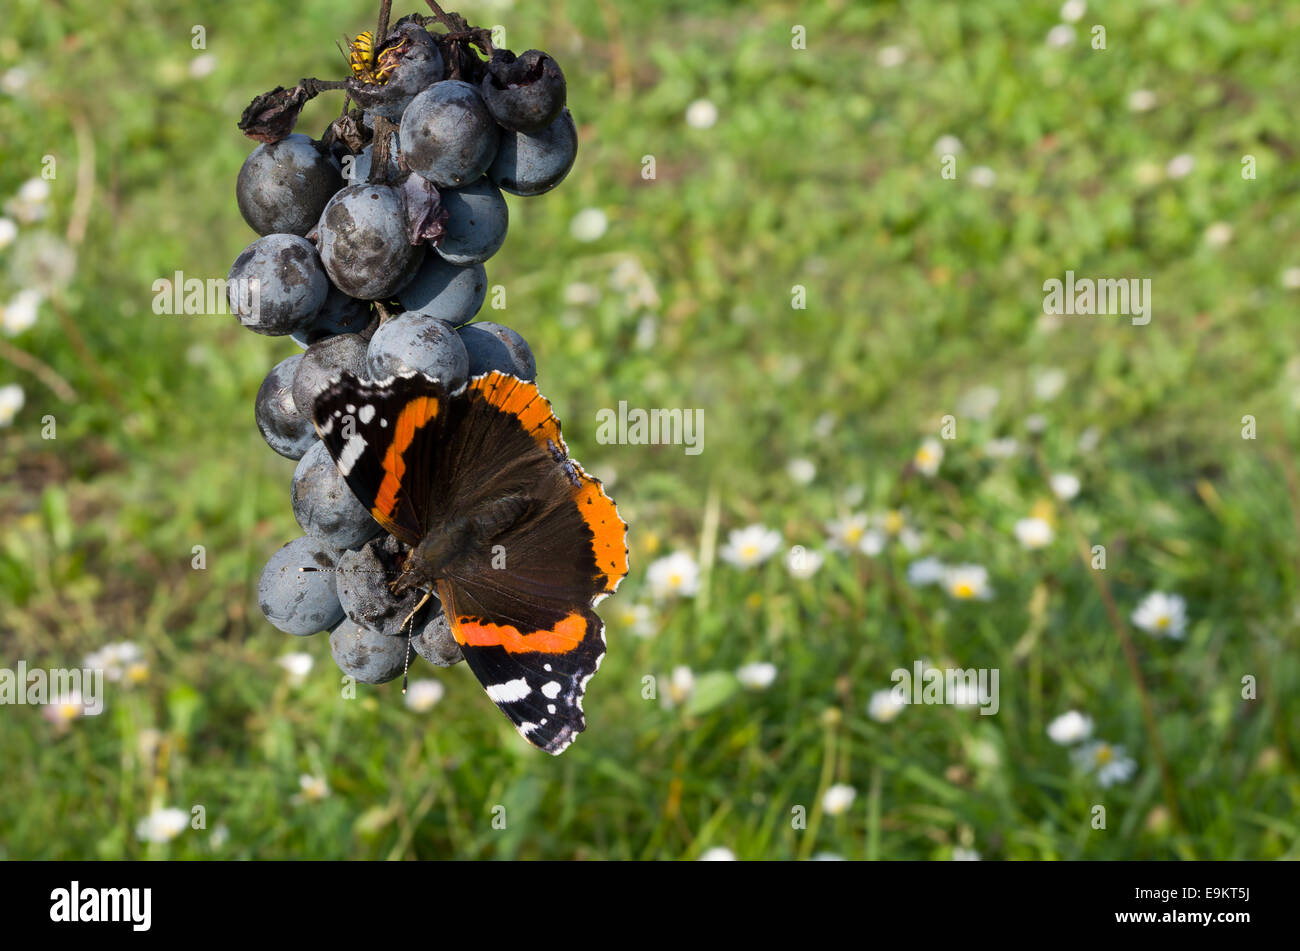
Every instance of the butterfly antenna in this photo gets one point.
(406, 665)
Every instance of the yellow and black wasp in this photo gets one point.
(371, 66)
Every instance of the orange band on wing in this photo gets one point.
(608, 530)
(565, 636)
(415, 414)
(523, 401)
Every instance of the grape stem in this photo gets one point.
(385, 7)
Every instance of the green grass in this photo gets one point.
(820, 172)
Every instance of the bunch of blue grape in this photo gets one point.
(371, 257)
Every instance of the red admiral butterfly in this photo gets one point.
(518, 542)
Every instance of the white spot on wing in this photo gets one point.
(509, 692)
(350, 454)
(367, 414)
(551, 690)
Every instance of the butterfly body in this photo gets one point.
(518, 542)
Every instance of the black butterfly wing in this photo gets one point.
(384, 437)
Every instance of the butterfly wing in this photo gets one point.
(523, 615)
(375, 433)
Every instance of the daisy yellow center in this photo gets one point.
(675, 580)
(963, 589)
(137, 673)
(1104, 755)
(749, 551)
(1162, 621)
(924, 455)
(853, 533)
(894, 522)
(755, 600)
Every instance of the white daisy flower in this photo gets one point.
(884, 707)
(1089, 439)
(15, 80)
(1035, 423)
(674, 575)
(681, 684)
(1065, 485)
(1218, 234)
(888, 57)
(757, 676)
(947, 145)
(1180, 166)
(64, 710)
(11, 401)
(1070, 727)
(981, 176)
(826, 857)
(1072, 11)
(116, 660)
(837, 799)
(638, 618)
(162, 825)
(1141, 100)
(926, 571)
(979, 402)
(719, 853)
(747, 547)
(297, 665)
(964, 855)
(701, 114)
(589, 225)
(1034, 532)
(580, 294)
(1049, 384)
(1003, 448)
(1291, 278)
(8, 231)
(967, 582)
(20, 313)
(801, 471)
(423, 695)
(873, 542)
(928, 457)
(1162, 615)
(314, 788)
(33, 191)
(803, 562)
(1110, 763)
(202, 65)
(846, 533)
(1060, 36)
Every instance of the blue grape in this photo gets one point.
(324, 505)
(446, 291)
(340, 314)
(285, 429)
(435, 642)
(413, 342)
(283, 186)
(277, 284)
(477, 218)
(324, 361)
(534, 163)
(301, 602)
(367, 600)
(524, 93)
(363, 242)
(447, 134)
(366, 655)
(491, 346)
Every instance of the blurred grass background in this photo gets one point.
(820, 171)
